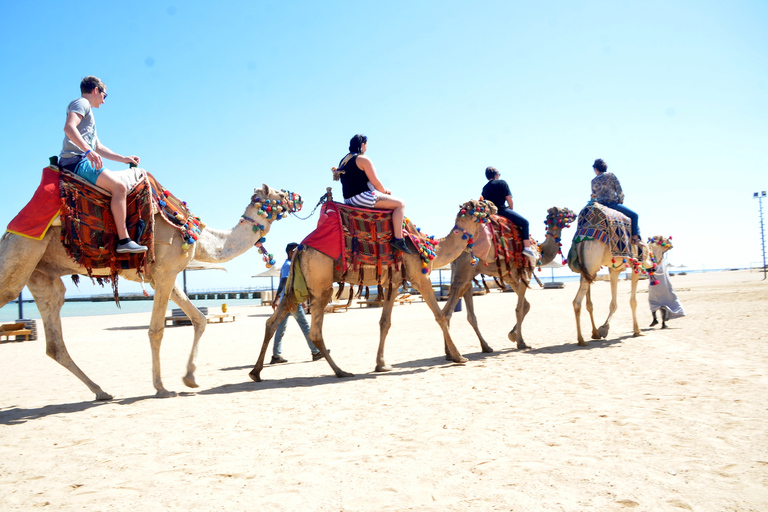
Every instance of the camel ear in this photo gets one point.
(265, 188)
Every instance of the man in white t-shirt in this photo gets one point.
(82, 152)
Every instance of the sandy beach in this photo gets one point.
(673, 420)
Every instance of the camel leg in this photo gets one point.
(269, 330)
(591, 311)
(466, 292)
(522, 308)
(316, 329)
(472, 319)
(603, 330)
(199, 323)
(49, 297)
(163, 286)
(633, 304)
(583, 290)
(425, 288)
(384, 324)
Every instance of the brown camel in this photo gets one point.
(463, 272)
(589, 256)
(40, 264)
(320, 273)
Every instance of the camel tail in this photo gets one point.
(575, 259)
(580, 248)
(296, 285)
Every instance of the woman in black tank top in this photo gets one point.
(361, 187)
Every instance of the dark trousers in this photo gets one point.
(629, 213)
(517, 219)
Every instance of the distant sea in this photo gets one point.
(10, 312)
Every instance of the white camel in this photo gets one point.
(587, 258)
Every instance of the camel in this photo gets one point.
(589, 256)
(40, 264)
(320, 273)
(463, 272)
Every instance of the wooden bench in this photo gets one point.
(225, 316)
(369, 303)
(336, 307)
(17, 329)
(404, 298)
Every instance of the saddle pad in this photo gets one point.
(88, 228)
(36, 217)
(598, 222)
(507, 243)
(357, 238)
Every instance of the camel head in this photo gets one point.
(558, 219)
(474, 213)
(267, 204)
(658, 246)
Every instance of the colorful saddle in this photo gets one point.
(88, 228)
(598, 222)
(508, 244)
(359, 239)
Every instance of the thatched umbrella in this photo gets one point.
(271, 273)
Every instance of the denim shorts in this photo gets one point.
(85, 170)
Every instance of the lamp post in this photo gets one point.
(760, 197)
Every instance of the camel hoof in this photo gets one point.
(387, 368)
(341, 374)
(637, 334)
(487, 349)
(460, 360)
(165, 394)
(254, 375)
(583, 343)
(101, 396)
(521, 345)
(602, 332)
(512, 336)
(189, 381)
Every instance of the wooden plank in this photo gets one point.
(18, 332)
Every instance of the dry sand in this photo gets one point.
(674, 420)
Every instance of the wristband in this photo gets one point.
(86, 153)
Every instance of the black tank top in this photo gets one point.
(353, 181)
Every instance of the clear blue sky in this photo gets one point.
(218, 100)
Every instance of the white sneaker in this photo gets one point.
(531, 254)
(130, 247)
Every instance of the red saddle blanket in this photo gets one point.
(37, 216)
